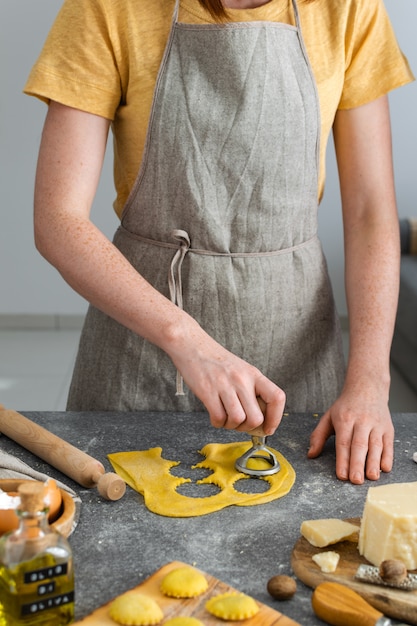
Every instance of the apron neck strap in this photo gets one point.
(176, 10)
(296, 16)
(294, 6)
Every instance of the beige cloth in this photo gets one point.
(13, 468)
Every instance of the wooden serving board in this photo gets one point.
(392, 602)
(190, 607)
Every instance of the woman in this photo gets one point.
(216, 278)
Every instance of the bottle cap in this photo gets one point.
(32, 495)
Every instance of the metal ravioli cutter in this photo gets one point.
(258, 451)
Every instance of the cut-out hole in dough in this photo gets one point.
(252, 485)
(185, 471)
(191, 490)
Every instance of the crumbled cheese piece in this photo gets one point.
(324, 532)
(327, 561)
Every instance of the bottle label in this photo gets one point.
(46, 572)
(47, 603)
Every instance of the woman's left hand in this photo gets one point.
(364, 435)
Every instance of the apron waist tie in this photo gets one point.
(174, 275)
(175, 285)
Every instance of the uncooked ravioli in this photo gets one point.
(232, 606)
(184, 582)
(135, 609)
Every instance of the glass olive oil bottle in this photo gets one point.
(36, 568)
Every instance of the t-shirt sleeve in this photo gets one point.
(77, 65)
(374, 62)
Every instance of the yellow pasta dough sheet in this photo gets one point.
(189, 607)
(148, 472)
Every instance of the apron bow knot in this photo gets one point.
(174, 278)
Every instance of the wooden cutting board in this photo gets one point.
(192, 607)
(394, 603)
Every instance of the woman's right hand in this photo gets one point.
(227, 385)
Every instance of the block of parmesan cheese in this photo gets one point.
(389, 524)
(325, 532)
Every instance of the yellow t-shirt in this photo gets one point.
(103, 56)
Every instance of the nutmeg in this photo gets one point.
(281, 587)
(392, 571)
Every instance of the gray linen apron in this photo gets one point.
(222, 219)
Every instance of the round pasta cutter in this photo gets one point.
(258, 450)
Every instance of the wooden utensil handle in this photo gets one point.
(259, 430)
(65, 457)
(338, 605)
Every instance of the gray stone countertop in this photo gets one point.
(117, 545)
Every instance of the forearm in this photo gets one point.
(363, 145)
(97, 270)
(372, 281)
(69, 167)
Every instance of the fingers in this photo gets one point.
(387, 458)
(362, 452)
(228, 412)
(351, 453)
(272, 403)
(373, 457)
(320, 435)
(364, 445)
(244, 412)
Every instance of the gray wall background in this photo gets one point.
(28, 285)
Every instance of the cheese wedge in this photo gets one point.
(325, 532)
(389, 524)
(327, 561)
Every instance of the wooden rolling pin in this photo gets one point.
(68, 459)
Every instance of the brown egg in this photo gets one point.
(53, 499)
(9, 519)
